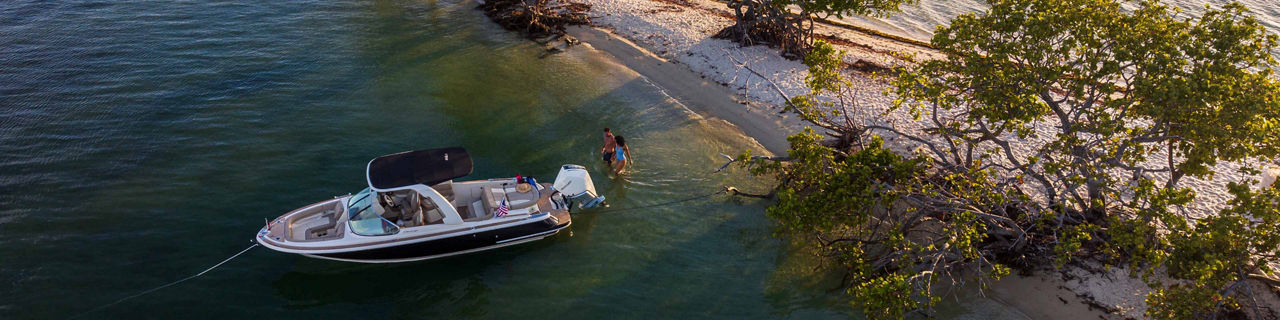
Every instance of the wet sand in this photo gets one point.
(702, 96)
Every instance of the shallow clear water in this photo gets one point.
(142, 141)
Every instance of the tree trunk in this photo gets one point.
(768, 23)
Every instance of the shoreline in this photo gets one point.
(669, 43)
(1043, 295)
(690, 89)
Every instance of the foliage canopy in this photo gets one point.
(773, 22)
(1098, 92)
(1052, 128)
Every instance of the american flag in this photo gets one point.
(502, 209)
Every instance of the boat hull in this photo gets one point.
(475, 241)
(450, 246)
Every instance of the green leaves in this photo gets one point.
(1112, 86)
(895, 223)
(1217, 254)
(1074, 119)
(778, 24)
(824, 69)
(1126, 103)
(892, 223)
(824, 194)
(886, 297)
(840, 8)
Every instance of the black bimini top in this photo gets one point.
(429, 167)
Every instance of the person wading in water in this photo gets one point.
(622, 155)
(610, 145)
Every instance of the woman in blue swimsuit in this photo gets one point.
(622, 154)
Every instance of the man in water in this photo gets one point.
(610, 145)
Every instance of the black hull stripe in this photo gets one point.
(449, 244)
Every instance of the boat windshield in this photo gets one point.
(364, 220)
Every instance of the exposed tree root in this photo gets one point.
(536, 18)
(758, 22)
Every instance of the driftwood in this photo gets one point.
(734, 191)
(536, 18)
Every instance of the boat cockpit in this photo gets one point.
(381, 213)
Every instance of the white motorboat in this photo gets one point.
(413, 210)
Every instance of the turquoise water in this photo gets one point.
(143, 141)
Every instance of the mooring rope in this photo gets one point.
(166, 285)
(664, 203)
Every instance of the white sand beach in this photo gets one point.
(670, 43)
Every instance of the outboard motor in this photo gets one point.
(574, 182)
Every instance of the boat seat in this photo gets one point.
(384, 211)
(487, 198)
(482, 209)
(332, 212)
(445, 189)
(515, 200)
(408, 207)
(521, 200)
(321, 231)
(477, 212)
(434, 217)
(429, 211)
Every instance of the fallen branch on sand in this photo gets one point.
(776, 88)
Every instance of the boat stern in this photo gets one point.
(575, 182)
(561, 218)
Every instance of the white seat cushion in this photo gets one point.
(477, 210)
